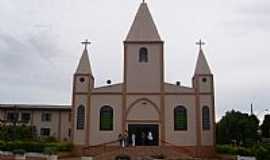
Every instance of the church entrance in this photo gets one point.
(145, 134)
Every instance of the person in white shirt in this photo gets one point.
(133, 139)
(150, 138)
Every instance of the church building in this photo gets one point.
(142, 105)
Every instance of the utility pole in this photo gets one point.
(251, 109)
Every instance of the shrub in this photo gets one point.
(261, 152)
(266, 146)
(63, 147)
(47, 139)
(50, 150)
(226, 149)
(30, 146)
(22, 133)
(244, 151)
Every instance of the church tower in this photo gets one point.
(143, 54)
(203, 84)
(83, 84)
(202, 79)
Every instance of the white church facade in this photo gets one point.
(143, 103)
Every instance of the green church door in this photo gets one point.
(145, 134)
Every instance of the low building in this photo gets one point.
(48, 120)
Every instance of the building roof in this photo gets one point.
(202, 66)
(36, 107)
(84, 66)
(143, 27)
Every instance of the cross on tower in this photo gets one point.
(200, 43)
(85, 43)
(143, 1)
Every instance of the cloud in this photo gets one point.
(27, 68)
(21, 52)
(251, 14)
(258, 8)
(45, 45)
(39, 45)
(12, 49)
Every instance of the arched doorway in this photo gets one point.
(143, 120)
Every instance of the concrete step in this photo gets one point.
(137, 153)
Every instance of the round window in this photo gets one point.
(204, 79)
(82, 79)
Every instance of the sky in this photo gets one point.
(40, 46)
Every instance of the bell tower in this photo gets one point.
(203, 83)
(203, 77)
(83, 84)
(143, 54)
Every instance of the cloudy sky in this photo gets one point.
(40, 46)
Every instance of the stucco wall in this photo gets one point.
(181, 138)
(58, 125)
(65, 126)
(97, 101)
(172, 88)
(53, 124)
(134, 98)
(205, 86)
(82, 86)
(143, 108)
(143, 77)
(79, 134)
(109, 89)
(207, 135)
(2, 114)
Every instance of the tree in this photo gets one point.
(22, 133)
(237, 127)
(266, 127)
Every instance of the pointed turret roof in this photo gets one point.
(84, 66)
(202, 66)
(143, 27)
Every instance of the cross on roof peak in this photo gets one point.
(200, 43)
(85, 43)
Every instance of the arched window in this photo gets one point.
(80, 117)
(106, 118)
(143, 55)
(180, 118)
(205, 118)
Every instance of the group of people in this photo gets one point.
(124, 139)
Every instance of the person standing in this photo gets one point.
(150, 138)
(126, 138)
(133, 139)
(121, 140)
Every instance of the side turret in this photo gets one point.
(203, 77)
(83, 83)
(203, 84)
